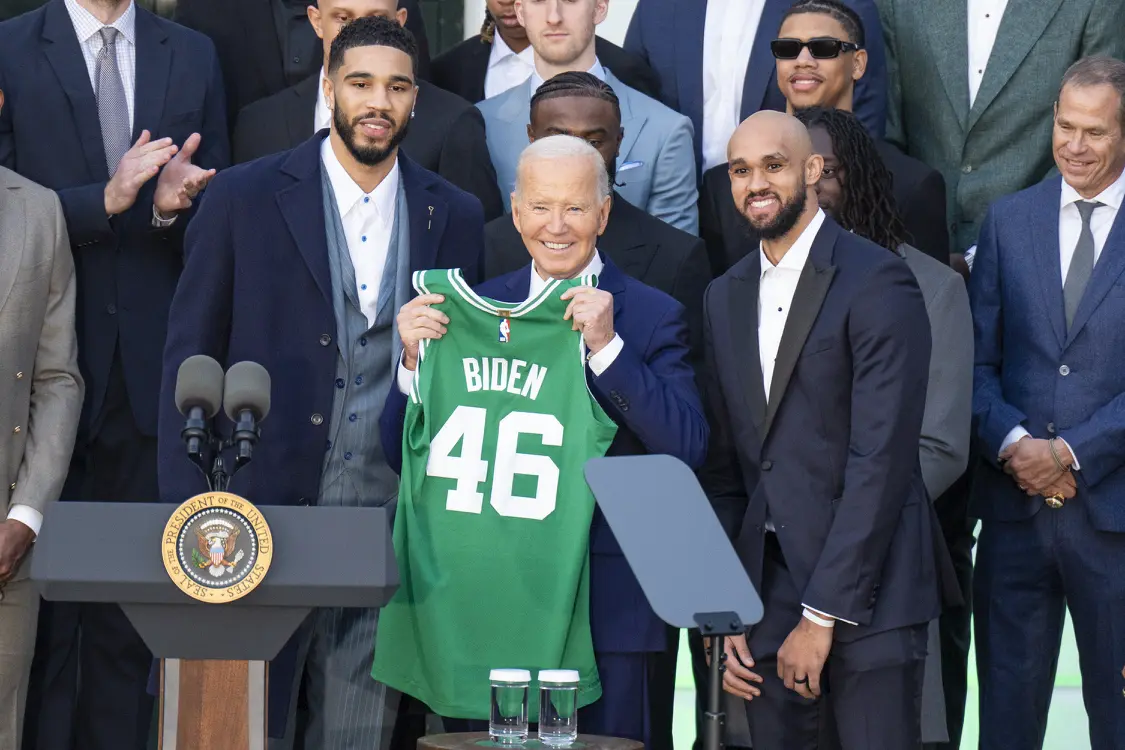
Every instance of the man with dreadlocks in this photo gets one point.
(855, 190)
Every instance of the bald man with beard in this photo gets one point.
(818, 349)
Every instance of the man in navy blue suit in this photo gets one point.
(298, 261)
(715, 65)
(1048, 303)
(818, 349)
(109, 105)
(638, 371)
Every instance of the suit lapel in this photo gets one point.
(1043, 241)
(476, 69)
(760, 68)
(1023, 23)
(628, 249)
(64, 54)
(630, 122)
(300, 109)
(612, 280)
(302, 206)
(12, 227)
(261, 36)
(154, 62)
(812, 287)
(691, 18)
(947, 22)
(742, 338)
(428, 212)
(1110, 265)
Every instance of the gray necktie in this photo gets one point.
(113, 108)
(1081, 263)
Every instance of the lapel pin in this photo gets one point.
(430, 223)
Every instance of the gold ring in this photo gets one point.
(1054, 501)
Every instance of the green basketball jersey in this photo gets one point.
(493, 521)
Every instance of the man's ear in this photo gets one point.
(329, 93)
(400, 16)
(814, 167)
(859, 65)
(313, 13)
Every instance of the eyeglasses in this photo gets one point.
(821, 48)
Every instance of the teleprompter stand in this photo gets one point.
(680, 554)
(213, 656)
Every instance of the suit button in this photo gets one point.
(325, 339)
(12, 486)
(1051, 427)
(317, 419)
(19, 376)
(767, 465)
(303, 501)
(16, 431)
(1064, 370)
(111, 309)
(967, 168)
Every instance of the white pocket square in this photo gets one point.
(625, 167)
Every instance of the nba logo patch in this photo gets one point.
(505, 331)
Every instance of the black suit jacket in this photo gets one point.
(127, 271)
(245, 35)
(649, 250)
(832, 455)
(446, 136)
(919, 192)
(463, 68)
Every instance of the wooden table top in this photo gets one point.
(472, 740)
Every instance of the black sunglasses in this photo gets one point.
(822, 48)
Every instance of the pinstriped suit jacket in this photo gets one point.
(1001, 144)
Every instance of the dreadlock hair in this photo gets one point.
(847, 17)
(371, 31)
(488, 28)
(868, 207)
(575, 83)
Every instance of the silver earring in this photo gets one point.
(411, 114)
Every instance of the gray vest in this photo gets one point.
(355, 468)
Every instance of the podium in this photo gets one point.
(213, 656)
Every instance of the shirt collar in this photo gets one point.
(798, 254)
(595, 266)
(501, 51)
(86, 25)
(1112, 196)
(537, 80)
(349, 194)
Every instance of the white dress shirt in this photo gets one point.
(1070, 226)
(729, 30)
(598, 363)
(506, 68)
(368, 220)
(86, 27)
(322, 118)
(984, 22)
(776, 287)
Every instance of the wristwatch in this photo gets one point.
(159, 221)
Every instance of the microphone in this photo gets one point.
(199, 391)
(246, 400)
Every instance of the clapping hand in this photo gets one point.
(181, 181)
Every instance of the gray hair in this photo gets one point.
(564, 147)
(1098, 70)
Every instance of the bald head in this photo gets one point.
(773, 171)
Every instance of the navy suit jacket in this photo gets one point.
(1031, 371)
(50, 133)
(650, 392)
(833, 454)
(256, 286)
(668, 35)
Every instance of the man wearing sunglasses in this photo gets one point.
(715, 65)
(820, 62)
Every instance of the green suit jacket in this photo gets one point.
(1001, 144)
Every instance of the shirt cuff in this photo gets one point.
(814, 615)
(1017, 433)
(162, 223)
(405, 377)
(601, 361)
(28, 516)
(1074, 456)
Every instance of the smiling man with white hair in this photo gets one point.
(637, 369)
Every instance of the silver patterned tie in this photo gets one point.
(113, 108)
(1081, 263)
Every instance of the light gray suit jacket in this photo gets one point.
(656, 163)
(1003, 143)
(40, 386)
(946, 423)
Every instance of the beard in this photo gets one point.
(779, 225)
(369, 156)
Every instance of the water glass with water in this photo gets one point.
(558, 706)
(508, 723)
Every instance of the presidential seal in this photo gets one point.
(217, 547)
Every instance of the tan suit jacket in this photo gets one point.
(40, 387)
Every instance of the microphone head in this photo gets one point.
(199, 382)
(247, 387)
